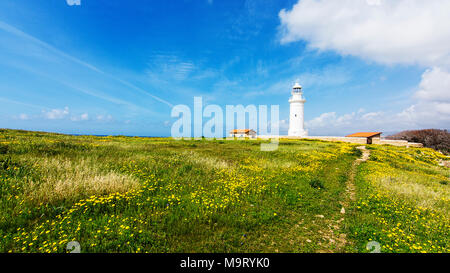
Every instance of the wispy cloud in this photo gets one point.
(326, 77)
(74, 86)
(104, 117)
(56, 113)
(73, 2)
(101, 95)
(23, 116)
(10, 29)
(169, 67)
(23, 103)
(82, 117)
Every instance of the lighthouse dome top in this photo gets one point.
(297, 86)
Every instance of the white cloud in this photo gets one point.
(386, 31)
(324, 120)
(170, 67)
(372, 115)
(374, 2)
(418, 116)
(104, 117)
(282, 126)
(57, 113)
(332, 124)
(23, 116)
(435, 85)
(73, 2)
(81, 117)
(431, 106)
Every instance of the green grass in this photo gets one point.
(131, 194)
(402, 202)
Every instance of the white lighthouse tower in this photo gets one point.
(296, 118)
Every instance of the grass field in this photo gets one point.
(131, 194)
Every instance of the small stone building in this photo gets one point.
(370, 136)
(247, 133)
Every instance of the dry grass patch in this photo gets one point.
(428, 193)
(210, 162)
(72, 180)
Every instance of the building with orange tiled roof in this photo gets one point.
(243, 133)
(368, 135)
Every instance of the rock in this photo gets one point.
(343, 210)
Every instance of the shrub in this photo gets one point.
(316, 183)
(432, 138)
(3, 149)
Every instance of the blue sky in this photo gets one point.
(117, 67)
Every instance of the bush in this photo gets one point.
(431, 138)
(316, 183)
(3, 149)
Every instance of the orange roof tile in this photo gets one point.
(241, 131)
(364, 134)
